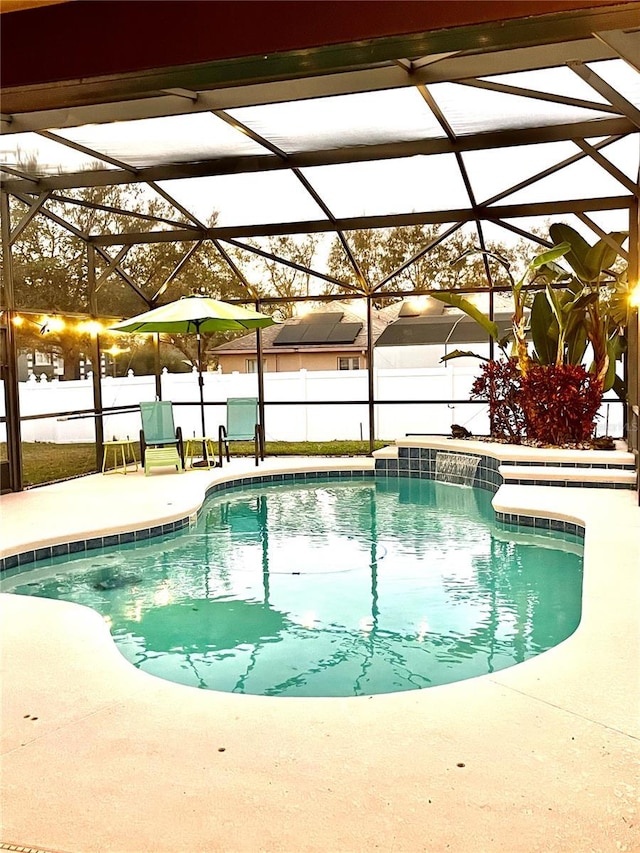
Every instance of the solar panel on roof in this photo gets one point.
(325, 328)
(344, 333)
(317, 333)
(417, 331)
(288, 335)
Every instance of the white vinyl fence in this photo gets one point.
(300, 421)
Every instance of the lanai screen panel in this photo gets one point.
(391, 186)
(365, 118)
(555, 81)
(255, 198)
(166, 140)
(470, 110)
(581, 180)
(336, 123)
(621, 76)
(425, 152)
(36, 156)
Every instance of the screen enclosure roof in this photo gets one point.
(506, 113)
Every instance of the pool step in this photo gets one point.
(550, 475)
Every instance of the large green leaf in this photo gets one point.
(616, 346)
(542, 327)
(576, 342)
(619, 346)
(620, 388)
(553, 272)
(577, 256)
(557, 300)
(546, 258)
(602, 255)
(611, 368)
(584, 299)
(470, 309)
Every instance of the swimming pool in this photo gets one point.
(330, 588)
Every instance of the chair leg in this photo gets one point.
(222, 440)
(180, 445)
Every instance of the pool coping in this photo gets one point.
(550, 692)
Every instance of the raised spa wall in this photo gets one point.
(513, 464)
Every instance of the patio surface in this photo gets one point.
(99, 756)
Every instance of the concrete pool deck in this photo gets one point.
(98, 756)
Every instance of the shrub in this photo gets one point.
(550, 404)
(500, 384)
(560, 403)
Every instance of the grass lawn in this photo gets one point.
(45, 462)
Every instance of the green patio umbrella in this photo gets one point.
(195, 314)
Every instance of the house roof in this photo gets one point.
(342, 329)
(399, 324)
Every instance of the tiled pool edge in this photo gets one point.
(93, 543)
(415, 462)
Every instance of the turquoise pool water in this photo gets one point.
(329, 588)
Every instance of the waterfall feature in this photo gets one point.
(459, 468)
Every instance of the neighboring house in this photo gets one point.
(420, 336)
(334, 338)
(409, 333)
(37, 363)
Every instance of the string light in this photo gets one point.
(51, 324)
(634, 296)
(115, 350)
(54, 324)
(90, 327)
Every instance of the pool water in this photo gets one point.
(329, 588)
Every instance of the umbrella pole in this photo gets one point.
(201, 387)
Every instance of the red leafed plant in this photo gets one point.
(550, 404)
(500, 383)
(560, 403)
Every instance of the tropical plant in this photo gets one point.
(598, 310)
(548, 395)
(542, 266)
(560, 403)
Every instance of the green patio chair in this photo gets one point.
(243, 424)
(161, 443)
